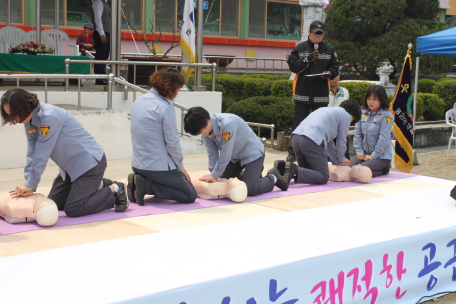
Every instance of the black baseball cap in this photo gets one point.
(317, 27)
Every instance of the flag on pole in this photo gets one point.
(187, 41)
(402, 109)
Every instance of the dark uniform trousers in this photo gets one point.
(102, 51)
(377, 166)
(301, 112)
(171, 185)
(81, 197)
(251, 177)
(312, 160)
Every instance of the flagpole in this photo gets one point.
(415, 95)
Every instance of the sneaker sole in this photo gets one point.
(286, 175)
(130, 191)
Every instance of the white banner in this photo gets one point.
(397, 271)
(187, 41)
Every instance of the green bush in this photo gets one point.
(426, 85)
(282, 88)
(267, 110)
(431, 107)
(227, 102)
(357, 90)
(445, 80)
(447, 91)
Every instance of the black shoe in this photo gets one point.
(140, 189)
(101, 82)
(281, 182)
(131, 187)
(290, 171)
(121, 199)
(291, 158)
(280, 166)
(106, 182)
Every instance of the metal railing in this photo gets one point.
(263, 67)
(111, 79)
(135, 63)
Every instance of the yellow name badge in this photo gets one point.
(31, 131)
(44, 130)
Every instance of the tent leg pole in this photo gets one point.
(415, 96)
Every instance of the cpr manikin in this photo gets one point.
(232, 188)
(345, 173)
(36, 207)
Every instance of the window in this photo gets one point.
(78, 12)
(165, 16)
(16, 9)
(275, 20)
(230, 18)
(133, 10)
(211, 17)
(47, 12)
(283, 21)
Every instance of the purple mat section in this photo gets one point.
(160, 206)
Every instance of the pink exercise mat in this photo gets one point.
(159, 206)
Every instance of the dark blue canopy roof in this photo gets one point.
(440, 43)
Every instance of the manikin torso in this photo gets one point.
(345, 173)
(231, 188)
(37, 208)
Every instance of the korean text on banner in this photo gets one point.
(187, 41)
(402, 109)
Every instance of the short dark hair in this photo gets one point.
(353, 108)
(21, 104)
(167, 81)
(378, 92)
(195, 120)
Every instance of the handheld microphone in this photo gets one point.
(316, 46)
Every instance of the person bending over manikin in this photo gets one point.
(232, 188)
(344, 173)
(36, 207)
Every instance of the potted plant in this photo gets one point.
(31, 48)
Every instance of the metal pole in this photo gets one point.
(67, 71)
(38, 21)
(17, 82)
(182, 121)
(214, 71)
(45, 90)
(56, 15)
(272, 137)
(79, 94)
(8, 12)
(199, 47)
(415, 95)
(115, 36)
(110, 84)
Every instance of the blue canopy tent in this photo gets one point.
(439, 43)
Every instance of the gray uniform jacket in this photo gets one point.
(234, 139)
(54, 133)
(154, 134)
(325, 124)
(373, 134)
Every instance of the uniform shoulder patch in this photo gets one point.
(389, 119)
(364, 116)
(31, 131)
(226, 136)
(44, 129)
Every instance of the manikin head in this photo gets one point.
(237, 190)
(362, 174)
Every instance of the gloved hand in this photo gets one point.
(312, 56)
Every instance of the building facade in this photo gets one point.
(243, 28)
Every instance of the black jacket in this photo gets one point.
(310, 90)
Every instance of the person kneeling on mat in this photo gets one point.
(53, 133)
(157, 154)
(372, 139)
(239, 148)
(313, 141)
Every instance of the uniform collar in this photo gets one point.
(368, 111)
(340, 92)
(35, 119)
(155, 92)
(215, 127)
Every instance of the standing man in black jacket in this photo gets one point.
(313, 56)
